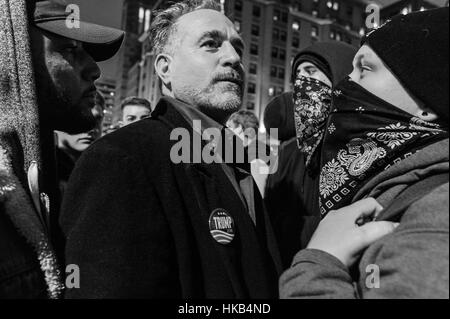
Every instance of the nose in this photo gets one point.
(91, 71)
(230, 55)
(354, 75)
(303, 73)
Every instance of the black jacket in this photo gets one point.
(292, 202)
(137, 225)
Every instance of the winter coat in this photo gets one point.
(28, 265)
(412, 262)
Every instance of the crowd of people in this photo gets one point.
(360, 180)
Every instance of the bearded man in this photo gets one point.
(141, 225)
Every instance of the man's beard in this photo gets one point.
(216, 102)
(59, 112)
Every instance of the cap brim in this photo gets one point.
(101, 42)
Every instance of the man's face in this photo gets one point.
(134, 113)
(372, 74)
(78, 143)
(65, 75)
(309, 70)
(206, 69)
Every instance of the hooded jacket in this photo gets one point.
(28, 266)
(290, 195)
(412, 262)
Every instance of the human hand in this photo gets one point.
(345, 233)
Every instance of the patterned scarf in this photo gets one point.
(364, 136)
(312, 100)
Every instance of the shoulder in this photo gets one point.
(145, 136)
(431, 211)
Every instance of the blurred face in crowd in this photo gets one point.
(245, 135)
(204, 67)
(133, 113)
(77, 143)
(309, 70)
(65, 75)
(372, 74)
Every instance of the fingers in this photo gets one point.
(374, 231)
(364, 210)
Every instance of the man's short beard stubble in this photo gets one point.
(216, 102)
(57, 110)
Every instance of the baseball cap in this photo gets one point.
(99, 41)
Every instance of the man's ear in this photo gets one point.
(162, 68)
(427, 114)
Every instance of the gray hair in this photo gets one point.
(163, 25)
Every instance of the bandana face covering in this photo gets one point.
(312, 100)
(364, 136)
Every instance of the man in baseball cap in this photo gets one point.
(57, 17)
(48, 67)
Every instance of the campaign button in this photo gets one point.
(221, 226)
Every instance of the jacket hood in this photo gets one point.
(336, 57)
(431, 160)
(21, 141)
(18, 103)
(279, 114)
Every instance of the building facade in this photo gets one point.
(275, 32)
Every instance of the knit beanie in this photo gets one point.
(415, 47)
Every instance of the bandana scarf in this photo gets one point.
(312, 100)
(364, 136)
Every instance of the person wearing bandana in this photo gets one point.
(383, 189)
(290, 198)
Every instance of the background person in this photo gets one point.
(71, 146)
(135, 109)
(291, 193)
(150, 226)
(394, 108)
(47, 74)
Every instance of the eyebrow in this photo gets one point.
(216, 35)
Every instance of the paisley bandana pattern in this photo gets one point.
(365, 135)
(312, 105)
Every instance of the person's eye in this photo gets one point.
(211, 44)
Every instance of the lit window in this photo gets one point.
(276, 15)
(315, 13)
(141, 15)
(332, 35)
(362, 32)
(314, 32)
(271, 91)
(329, 4)
(147, 20)
(296, 26)
(237, 25)
(336, 6)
